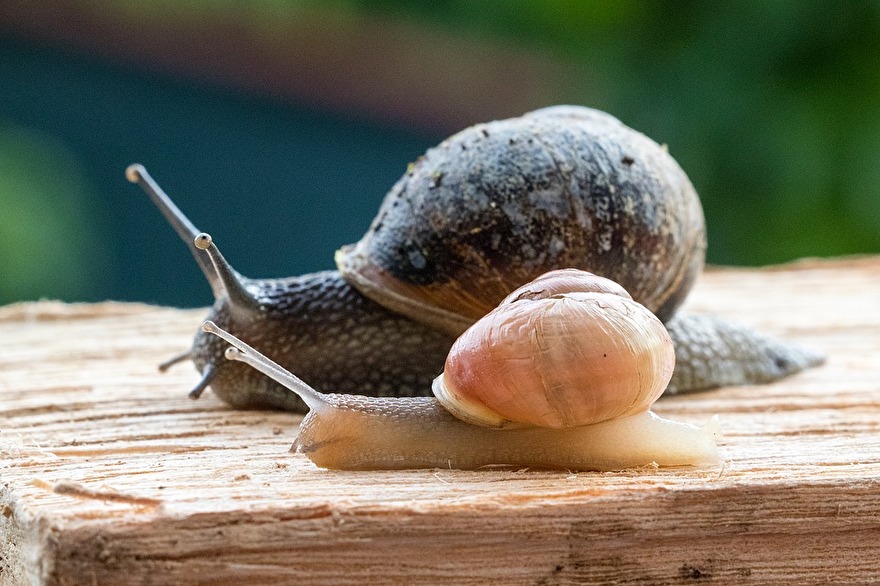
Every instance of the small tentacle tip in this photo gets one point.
(203, 241)
(196, 393)
(175, 360)
(135, 172)
(210, 327)
(208, 375)
(233, 353)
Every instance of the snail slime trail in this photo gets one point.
(490, 208)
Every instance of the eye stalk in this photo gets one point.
(239, 351)
(231, 284)
(187, 231)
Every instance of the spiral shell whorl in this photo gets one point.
(498, 204)
(560, 360)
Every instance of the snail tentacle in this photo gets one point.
(187, 231)
(242, 352)
(209, 373)
(231, 284)
(176, 359)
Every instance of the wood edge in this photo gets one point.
(808, 263)
(52, 309)
(79, 554)
(28, 546)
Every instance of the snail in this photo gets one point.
(489, 209)
(509, 394)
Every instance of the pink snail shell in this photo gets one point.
(566, 350)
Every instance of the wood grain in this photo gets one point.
(109, 474)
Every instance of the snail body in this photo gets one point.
(384, 433)
(487, 210)
(547, 421)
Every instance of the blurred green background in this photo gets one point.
(279, 125)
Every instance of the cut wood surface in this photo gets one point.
(110, 474)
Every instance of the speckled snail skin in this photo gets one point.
(487, 210)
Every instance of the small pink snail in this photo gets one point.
(561, 374)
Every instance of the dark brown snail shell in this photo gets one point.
(498, 204)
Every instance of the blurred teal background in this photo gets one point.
(278, 126)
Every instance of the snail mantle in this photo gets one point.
(109, 474)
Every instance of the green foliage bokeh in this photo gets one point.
(770, 107)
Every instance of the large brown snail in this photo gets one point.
(560, 375)
(487, 210)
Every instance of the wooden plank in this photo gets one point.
(110, 474)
